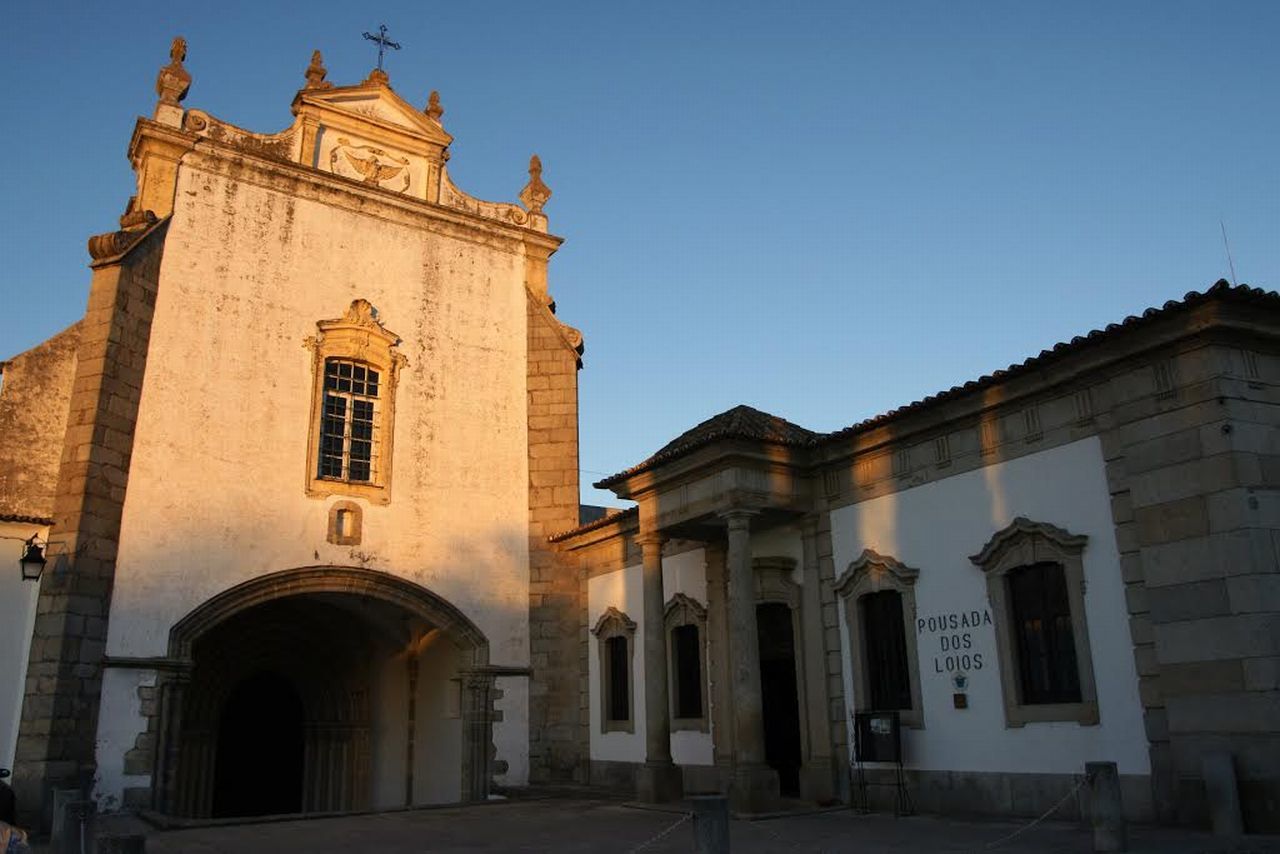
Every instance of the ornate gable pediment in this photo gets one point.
(371, 108)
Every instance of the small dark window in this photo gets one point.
(888, 673)
(1045, 641)
(618, 701)
(687, 652)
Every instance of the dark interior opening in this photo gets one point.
(780, 704)
(258, 770)
(687, 652)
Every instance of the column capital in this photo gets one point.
(651, 539)
(738, 518)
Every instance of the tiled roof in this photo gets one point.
(25, 520)
(598, 523)
(743, 422)
(1221, 290)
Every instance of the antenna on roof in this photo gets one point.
(1230, 263)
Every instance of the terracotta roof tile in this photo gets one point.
(740, 422)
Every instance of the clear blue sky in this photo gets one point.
(824, 210)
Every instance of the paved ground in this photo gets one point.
(582, 825)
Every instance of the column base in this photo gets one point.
(754, 790)
(659, 783)
(817, 782)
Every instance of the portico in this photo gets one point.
(740, 515)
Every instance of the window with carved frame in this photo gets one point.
(1036, 584)
(615, 637)
(879, 596)
(355, 369)
(686, 626)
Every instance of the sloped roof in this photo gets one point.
(740, 422)
(744, 422)
(1221, 290)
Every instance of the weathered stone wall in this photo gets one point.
(256, 254)
(35, 392)
(1194, 465)
(64, 675)
(557, 584)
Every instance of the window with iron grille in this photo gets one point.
(886, 649)
(348, 431)
(1041, 614)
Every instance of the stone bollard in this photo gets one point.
(77, 828)
(61, 798)
(710, 823)
(1224, 796)
(122, 843)
(1106, 809)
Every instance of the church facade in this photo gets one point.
(307, 475)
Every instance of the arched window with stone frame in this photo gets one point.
(1036, 585)
(686, 628)
(615, 640)
(879, 596)
(355, 371)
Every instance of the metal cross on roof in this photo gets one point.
(383, 42)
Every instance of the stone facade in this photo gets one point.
(1177, 402)
(448, 635)
(189, 475)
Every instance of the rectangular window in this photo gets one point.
(889, 676)
(347, 434)
(1044, 638)
(687, 650)
(618, 702)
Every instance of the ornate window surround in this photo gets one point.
(357, 336)
(613, 624)
(684, 611)
(1022, 543)
(872, 572)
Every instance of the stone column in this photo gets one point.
(477, 730)
(817, 777)
(164, 787)
(718, 653)
(755, 784)
(658, 780)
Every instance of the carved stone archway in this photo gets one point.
(322, 626)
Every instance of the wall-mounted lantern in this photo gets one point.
(33, 560)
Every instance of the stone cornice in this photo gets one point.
(211, 156)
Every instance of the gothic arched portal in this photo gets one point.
(357, 679)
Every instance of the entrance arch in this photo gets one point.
(329, 659)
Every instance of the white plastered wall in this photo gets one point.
(683, 573)
(220, 458)
(934, 528)
(17, 619)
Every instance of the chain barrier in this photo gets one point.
(1002, 840)
(660, 836)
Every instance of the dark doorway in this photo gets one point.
(780, 704)
(258, 770)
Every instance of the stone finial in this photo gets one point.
(379, 77)
(173, 81)
(316, 73)
(535, 193)
(434, 111)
